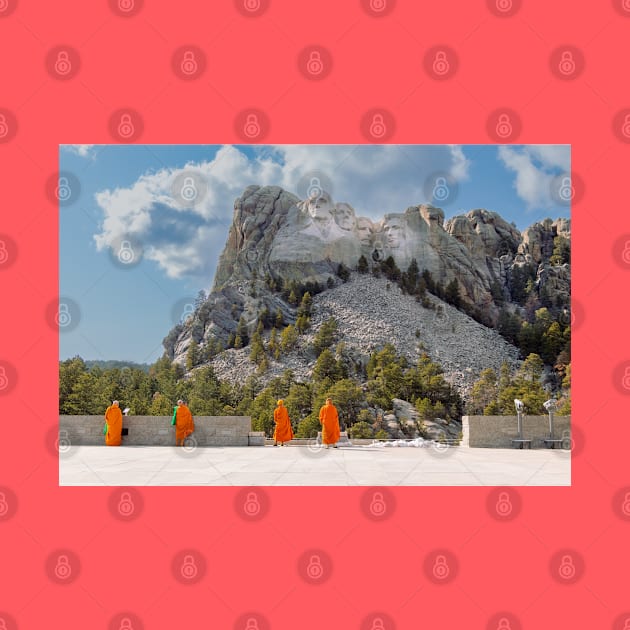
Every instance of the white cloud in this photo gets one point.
(535, 167)
(375, 179)
(82, 150)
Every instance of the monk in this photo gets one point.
(184, 424)
(284, 430)
(329, 419)
(113, 425)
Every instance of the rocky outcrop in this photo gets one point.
(275, 237)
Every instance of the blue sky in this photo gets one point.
(131, 194)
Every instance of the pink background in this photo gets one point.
(372, 567)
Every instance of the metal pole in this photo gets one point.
(551, 436)
(519, 417)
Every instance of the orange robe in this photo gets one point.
(330, 424)
(113, 417)
(284, 431)
(184, 424)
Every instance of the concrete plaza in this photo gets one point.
(312, 466)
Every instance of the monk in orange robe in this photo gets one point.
(184, 424)
(113, 428)
(284, 430)
(329, 419)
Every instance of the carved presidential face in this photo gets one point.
(365, 228)
(394, 229)
(344, 217)
(320, 207)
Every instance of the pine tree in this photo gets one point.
(192, 356)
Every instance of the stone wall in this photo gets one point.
(498, 431)
(157, 430)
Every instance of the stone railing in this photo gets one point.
(157, 431)
(499, 431)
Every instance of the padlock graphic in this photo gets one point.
(252, 624)
(378, 506)
(625, 5)
(189, 311)
(125, 505)
(189, 63)
(4, 506)
(125, 253)
(378, 5)
(4, 254)
(566, 192)
(189, 190)
(504, 126)
(625, 506)
(377, 127)
(440, 63)
(314, 64)
(189, 568)
(567, 441)
(566, 568)
(63, 441)
(625, 129)
(125, 624)
(378, 624)
(63, 570)
(440, 568)
(504, 624)
(4, 128)
(63, 317)
(4, 379)
(625, 255)
(567, 63)
(626, 625)
(63, 192)
(626, 378)
(126, 5)
(252, 505)
(252, 5)
(440, 190)
(504, 505)
(3, 623)
(252, 126)
(314, 189)
(125, 127)
(314, 570)
(62, 63)
(504, 5)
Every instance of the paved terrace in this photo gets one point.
(312, 466)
